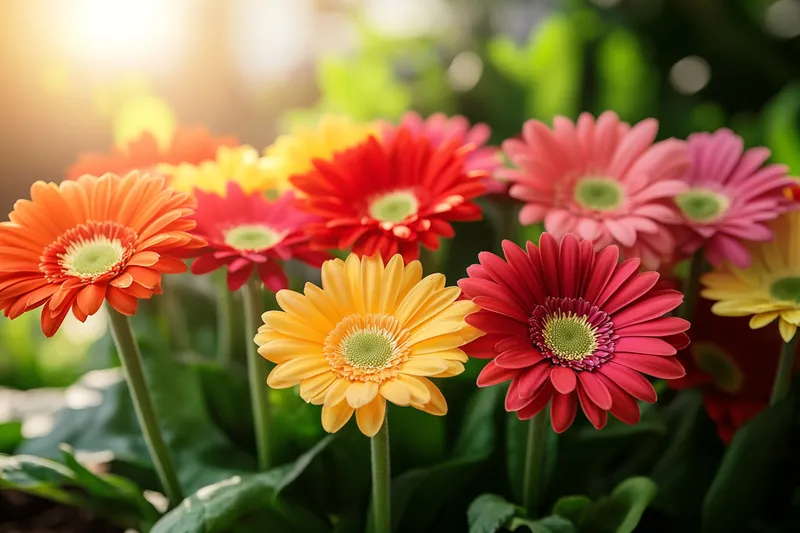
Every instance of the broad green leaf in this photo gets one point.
(550, 524)
(623, 509)
(10, 436)
(489, 513)
(781, 122)
(247, 503)
(746, 471)
(574, 508)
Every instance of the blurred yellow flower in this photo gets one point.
(241, 164)
(292, 153)
(770, 288)
(371, 334)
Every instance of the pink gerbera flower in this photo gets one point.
(439, 129)
(730, 197)
(245, 232)
(569, 325)
(602, 180)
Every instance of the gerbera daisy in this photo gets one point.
(730, 198)
(439, 129)
(389, 198)
(294, 152)
(570, 325)
(187, 146)
(736, 386)
(241, 164)
(76, 244)
(371, 334)
(602, 180)
(770, 288)
(246, 232)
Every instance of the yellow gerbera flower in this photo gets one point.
(241, 164)
(371, 334)
(770, 288)
(292, 153)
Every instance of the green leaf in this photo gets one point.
(10, 436)
(116, 498)
(550, 524)
(489, 513)
(626, 82)
(247, 502)
(623, 509)
(574, 508)
(781, 121)
(744, 477)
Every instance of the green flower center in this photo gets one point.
(251, 237)
(367, 349)
(725, 373)
(786, 289)
(702, 205)
(92, 258)
(599, 194)
(570, 337)
(394, 207)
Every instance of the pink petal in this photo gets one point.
(563, 379)
(595, 389)
(629, 380)
(652, 365)
(644, 345)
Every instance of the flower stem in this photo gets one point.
(692, 288)
(225, 320)
(179, 330)
(131, 359)
(257, 370)
(381, 506)
(783, 379)
(534, 463)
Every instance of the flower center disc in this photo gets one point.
(367, 347)
(599, 194)
(251, 237)
(702, 205)
(93, 258)
(89, 251)
(570, 337)
(786, 289)
(394, 207)
(725, 373)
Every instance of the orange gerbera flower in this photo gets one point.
(188, 145)
(76, 244)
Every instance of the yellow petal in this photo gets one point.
(292, 327)
(412, 275)
(292, 372)
(436, 303)
(787, 330)
(436, 328)
(762, 319)
(313, 389)
(792, 317)
(336, 392)
(322, 302)
(352, 272)
(437, 344)
(301, 308)
(454, 368)
(334, 283)
(361, 393)
(423, 365)
(454, 354)
(390, 284)
(396, 392)
(419, 392)
(416, 298)
(284, 349)
(437, 404)
(743, 307)
(371, 275)
(370, 417)
(335, 416)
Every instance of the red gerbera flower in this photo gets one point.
(187, 146)
(390, 197)
(246, 232)
(571, 325)
(736, 385)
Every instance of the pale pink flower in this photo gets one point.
(601, 179)
(731, 196)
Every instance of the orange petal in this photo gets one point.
(144, 259)
(170, 265)
(51, 323)
(91, 297)
(122, 301)
(123, 281)
(144, 276)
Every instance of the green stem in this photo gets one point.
(381, 506)
(692, 288)
(178, 328)
(257, 370)
(534, 463)
(131, 359)
(225, 320)
(783, 378)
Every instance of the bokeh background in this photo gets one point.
(83, 75)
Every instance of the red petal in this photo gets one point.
(635, 288)
(563, 379)
(659, 367)
(623, 405)
(533, 379)
(493, 374)
(562, 411)
(517, 358)
(630, 381)
(528, 273)
(595, 390)
(622, 273)
(273, 276)
(515, 402)
(503, 307)
(569, 276)
(645, 345)
(658, 327)
(656, 305)
(239, 277)
(548, 253)
(493, 323)
(538, 403)
(597, 416)
(483, 347)
(604, 266)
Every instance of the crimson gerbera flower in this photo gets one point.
(390, 197)
(736, 385)
(569, 325)
(246, 232)
(191, 146)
